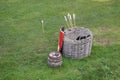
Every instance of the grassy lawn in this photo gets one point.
(24, 48)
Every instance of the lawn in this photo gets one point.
(24, 48)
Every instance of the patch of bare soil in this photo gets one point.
(102, 39)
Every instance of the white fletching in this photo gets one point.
(42, 21)
(74, 16)
(70, 17)
(74, 20)
(42, 26)
(65, 18)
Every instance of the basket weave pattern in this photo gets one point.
(77, 43)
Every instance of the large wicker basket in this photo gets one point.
(77, 42)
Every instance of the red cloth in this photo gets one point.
(61, 38)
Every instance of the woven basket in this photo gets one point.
(77, 43)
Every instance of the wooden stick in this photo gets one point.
(66, 21)
(70, 19)
(42, 26)
(74, 24)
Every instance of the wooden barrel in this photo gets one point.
(54, 59)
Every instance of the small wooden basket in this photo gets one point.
(54, 59)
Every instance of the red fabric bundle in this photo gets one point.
(61, 39)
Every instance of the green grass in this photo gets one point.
(24, 48)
